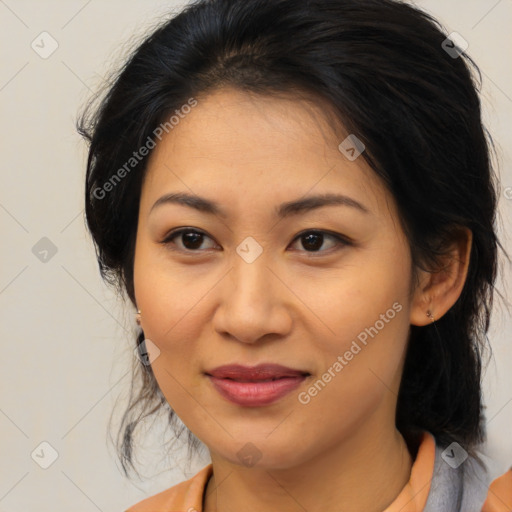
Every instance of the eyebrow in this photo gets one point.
(287, 209)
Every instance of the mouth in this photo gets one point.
(255, 386)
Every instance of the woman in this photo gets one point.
(298, 200)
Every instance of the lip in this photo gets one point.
(250, 386)
(259, 372)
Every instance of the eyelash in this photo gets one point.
(342, 241)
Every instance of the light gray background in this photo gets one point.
(66, 339)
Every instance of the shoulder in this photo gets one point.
(499, 497)
(186, 496)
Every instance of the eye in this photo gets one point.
(191, 239)
(312, 240)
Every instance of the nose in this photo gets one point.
(254, 303)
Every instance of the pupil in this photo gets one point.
(192, 238)
(318, 236)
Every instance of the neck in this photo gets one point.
(367, 472)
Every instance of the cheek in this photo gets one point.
(361, 368)
(172, 322)
(173, 304)
(363, 299)
(369, 345)
(167, 296)
(365, 319)
(183, 392)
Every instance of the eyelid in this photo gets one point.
(178, 231)
(342, 240)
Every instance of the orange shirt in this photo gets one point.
(187, 496)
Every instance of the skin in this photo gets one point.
(298, 304)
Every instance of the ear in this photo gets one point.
(439, 289)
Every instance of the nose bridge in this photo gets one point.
(252, 305)
(251, 283)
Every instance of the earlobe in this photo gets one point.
(439, 290)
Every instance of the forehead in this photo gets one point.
(236, 123)
(234, 143)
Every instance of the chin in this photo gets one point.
(263, 454)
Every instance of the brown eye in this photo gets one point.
(190, 239)
(312, 241)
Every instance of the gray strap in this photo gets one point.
(457, 486)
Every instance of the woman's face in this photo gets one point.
(255, 286)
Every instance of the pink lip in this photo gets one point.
(252, 385)
(255, 393)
